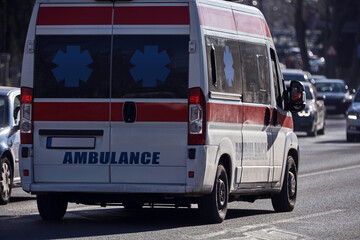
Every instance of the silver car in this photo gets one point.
(9, 141)
(353, 119)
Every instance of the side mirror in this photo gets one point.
(297, 98)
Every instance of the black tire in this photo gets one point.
(286, 199)
(350, 137)
(312, 133)
(6, 180)
(133, 205)
(213, 207)
(51, 207)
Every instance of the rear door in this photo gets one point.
(149, 92)
(72, 93)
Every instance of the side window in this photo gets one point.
(223, 57)
(278, 84)
(3, 112)
(255, 71)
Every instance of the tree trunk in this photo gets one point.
(300, 27)
(354, 78)
(338, 14)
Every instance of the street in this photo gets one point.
(328, 207)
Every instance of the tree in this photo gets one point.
(337, 16)
(354, 78)
(300, 27)
(14, 20)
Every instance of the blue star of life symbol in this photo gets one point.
(72, 66)
(150, 66)
(229, 70)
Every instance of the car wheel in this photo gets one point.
(286, 199)
(312, 133)
(350, 137)
(213, 207)
(51, 207)
(6, 180)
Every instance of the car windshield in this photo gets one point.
(2, 112)
(296, 77)
(331, 87)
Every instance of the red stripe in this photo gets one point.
(154, 15)
(285, 121)
(267, 30)
(236, 22)
(75, 16)
(154, 112)
(56, 111)
(250, 24)
(226, 113)
(216, 18)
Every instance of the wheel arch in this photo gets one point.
(294, 153)
(225, 160)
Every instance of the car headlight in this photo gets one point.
(352, 115)
(306, 112)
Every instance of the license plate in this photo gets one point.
(330, 107)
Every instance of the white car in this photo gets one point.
(353, 119)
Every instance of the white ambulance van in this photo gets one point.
(155, 101)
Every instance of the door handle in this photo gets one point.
(129, 112)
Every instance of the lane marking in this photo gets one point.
(247, 228)
(328, 171)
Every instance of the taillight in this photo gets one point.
(26, 127)
(197, 117)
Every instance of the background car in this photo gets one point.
(9, 141)
(297, 75)
(318, 77)
(312, 119)
(337, 95)
(353, 119)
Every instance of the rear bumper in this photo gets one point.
(203, 166)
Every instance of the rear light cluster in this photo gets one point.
(197, 117)
(26, 127)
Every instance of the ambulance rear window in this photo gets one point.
(142, 66)
(155, 66)
(72, 67)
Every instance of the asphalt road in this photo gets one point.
(328, 207)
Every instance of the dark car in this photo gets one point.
(337, 95)
(353, 119)
(9, 141)
(296, 74)
(312, 119)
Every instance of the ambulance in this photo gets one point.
(148, 102)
